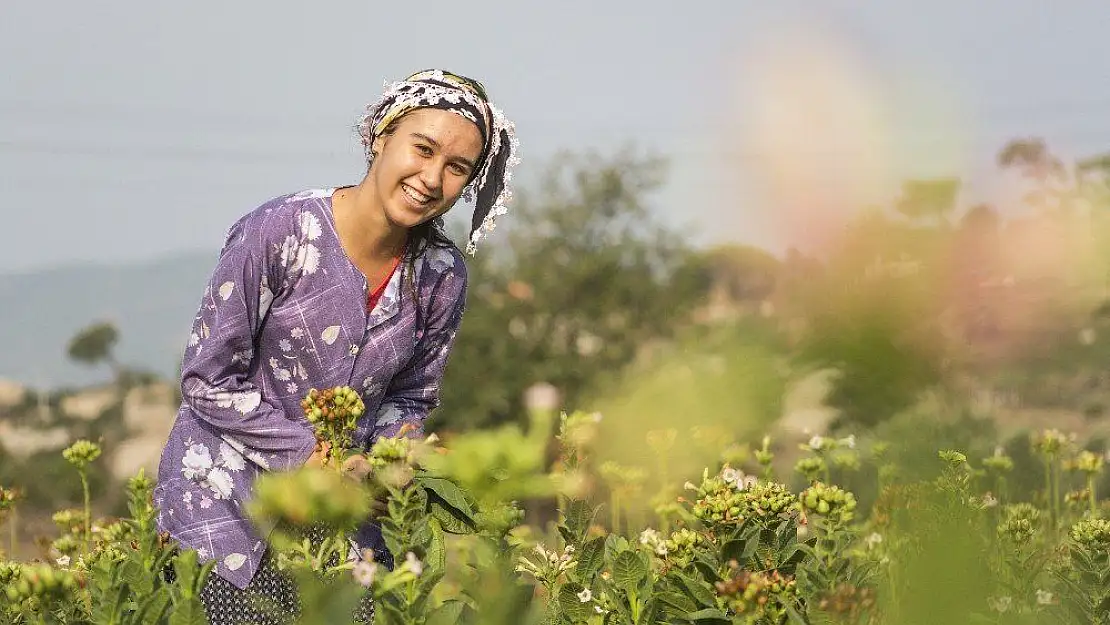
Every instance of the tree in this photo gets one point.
(588, 278)
(94, 344)
(929, 199)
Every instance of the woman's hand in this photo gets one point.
(319, 457)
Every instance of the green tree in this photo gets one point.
(588, 277)
(929, 199)
(93, 345)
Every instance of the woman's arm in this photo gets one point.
(214, 375)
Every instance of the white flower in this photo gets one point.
(441, 259)
(63, 561)
(329, 334)
(297, 332)
(257, 458)
(265, 298)
(389, 413)
(363, 572)
(285, 345)
(873, 539)
(816, 443)
(289, 249)
(220, 482)
(585, 595)
(205, 502)
(226, 289)
(731, 475)
(187, 497)
(310, 226)
(414, 563)
(1044, 597)
(231, 458)
(307, 258)
(235, 561)
(598, 609)
(196, 462)
(202, 553)
(1001, 604)
(849, 442)
(291, 388)
(194, 338)
(244, 402)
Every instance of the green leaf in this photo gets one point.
(680, 602)
(795, 617)
(450, 493)
(450, 520)
(699, 590)
(708, 615)
(628, 570)
(571, 606)
(449, 613)
(614, 544)
(436, 556)
(578, 516)
(591, 557)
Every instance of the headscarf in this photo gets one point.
(488, 186)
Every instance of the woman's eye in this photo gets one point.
(458, 170)
(423, 149)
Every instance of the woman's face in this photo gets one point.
(421, 167)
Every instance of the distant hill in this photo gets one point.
(153, 304)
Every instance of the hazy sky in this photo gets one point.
(132, 129)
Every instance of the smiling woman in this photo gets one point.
(353, 286)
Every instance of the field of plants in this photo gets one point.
(520, 525)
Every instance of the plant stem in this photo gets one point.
(12, 522)
(1049, 499)
(88, 511)
(1090, 494)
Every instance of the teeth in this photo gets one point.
(417, 197)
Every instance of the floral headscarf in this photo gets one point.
(488, 187)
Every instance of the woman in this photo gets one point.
(353, 286)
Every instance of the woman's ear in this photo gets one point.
(378, 144)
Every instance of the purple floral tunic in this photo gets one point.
(285, 311)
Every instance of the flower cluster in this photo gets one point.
(81, 453)
(848, 601)
(812, 467)
(999, 462)
(767, 499)
(334, 413)
(759, 594)
(679, 548)
(832, 502)
(1050, 442)
(549, 565)
(1019, 522)
(719, 500)
(1094, 534)
(40, 580)
(1086, 462)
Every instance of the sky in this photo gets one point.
(132, 130)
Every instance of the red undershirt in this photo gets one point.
(376, 294)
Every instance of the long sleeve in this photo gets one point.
(414, 390)
(215, 376)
